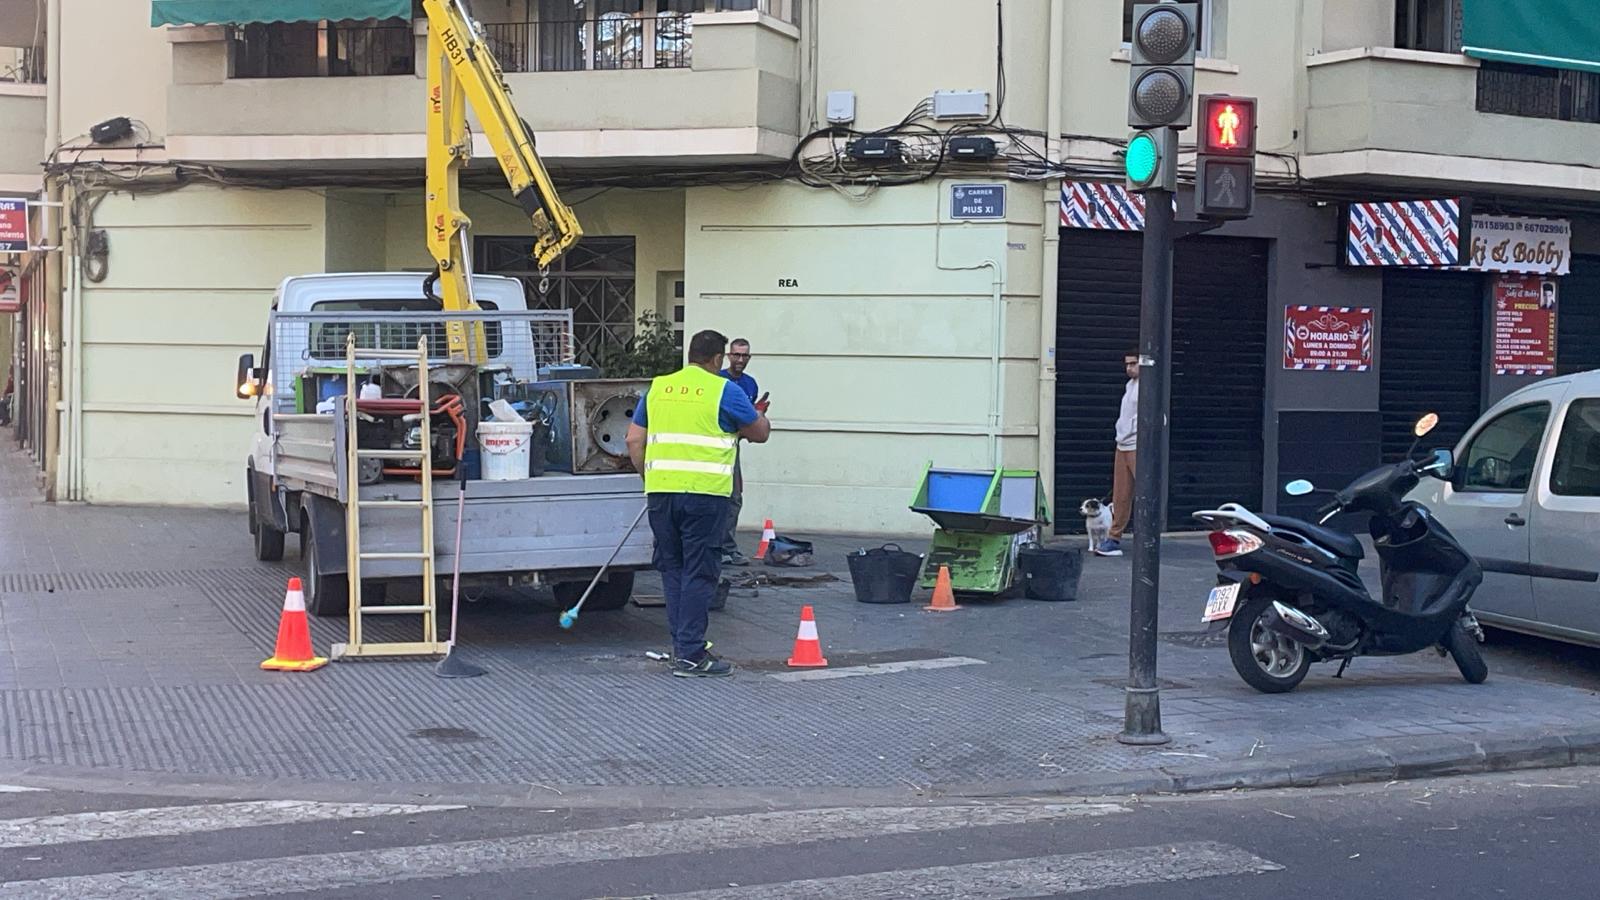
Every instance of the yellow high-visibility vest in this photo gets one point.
(687, 452)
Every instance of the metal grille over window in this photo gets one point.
(594, 280)
(317, 49)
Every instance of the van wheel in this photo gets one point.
(268, 540)
(612, 593)
(327, 593)
(1463, 648)
(1267, 661)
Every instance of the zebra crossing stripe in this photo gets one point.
(329, 871)
(164, 821)
(1016, 878)
(17, 789)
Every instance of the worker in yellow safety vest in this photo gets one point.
(683, 438)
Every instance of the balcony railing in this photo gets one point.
(610, 41)
(316, 49)
(25, 67)
(1540, 93)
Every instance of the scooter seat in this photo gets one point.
(1346, 545)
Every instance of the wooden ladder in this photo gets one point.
(358, 646)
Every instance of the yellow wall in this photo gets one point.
(357, 231)
(879, 358)
(191, 279)
(1261, 43)
(654, 218)
(112, 64)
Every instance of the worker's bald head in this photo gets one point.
(706, 347)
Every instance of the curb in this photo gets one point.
(1385, 759)
(1381, 760)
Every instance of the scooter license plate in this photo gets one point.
(1221, 602)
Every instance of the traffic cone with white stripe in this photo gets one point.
(807, 648)
(944, 598)
(293, 651)
(767, 537)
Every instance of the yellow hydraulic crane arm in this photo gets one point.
(461, 72)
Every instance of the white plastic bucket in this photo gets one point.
(506, 447)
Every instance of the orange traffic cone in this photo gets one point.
(807, 648)
(293, 651)
(767, 537)
(944, 599)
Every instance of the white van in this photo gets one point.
(1524, 498)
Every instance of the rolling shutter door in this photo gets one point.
(1219, 348)
(1578, 317)
(1430, 355)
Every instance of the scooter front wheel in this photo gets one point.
(1267, 661)
(1463, 647)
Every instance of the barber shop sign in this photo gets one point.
(1327, 338)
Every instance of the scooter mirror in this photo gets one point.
(1426, 424)
(1299, 488)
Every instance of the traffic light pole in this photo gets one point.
(1142, 713)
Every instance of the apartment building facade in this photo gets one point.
(924, 309)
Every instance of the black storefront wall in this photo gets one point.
(1220, 313)
(1433, 352)
(1431, 355)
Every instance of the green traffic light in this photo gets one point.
(1142, 158)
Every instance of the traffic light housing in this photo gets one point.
(1225, 161)
(1230, 125)
(1161, 77)
(1150, 160)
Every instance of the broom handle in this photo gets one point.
(601, 574)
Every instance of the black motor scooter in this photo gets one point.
(1291, 595)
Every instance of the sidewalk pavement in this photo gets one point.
(130, 638)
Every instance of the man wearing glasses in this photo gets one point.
(738, 359)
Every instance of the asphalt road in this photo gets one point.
(1512, 835)
(1557, 662)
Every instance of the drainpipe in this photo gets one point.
(52, 297)
(74, 283)
(1050, 241)
(997, 286)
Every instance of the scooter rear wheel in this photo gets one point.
(1463, 649)
(1266, 660)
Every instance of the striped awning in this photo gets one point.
(1557, 34)
(1102, 206)
(246, 12)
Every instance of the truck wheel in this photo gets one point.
(1463, 649)
(613, 592)
(267, 539)
(327, 594)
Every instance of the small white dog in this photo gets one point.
(1097, 521)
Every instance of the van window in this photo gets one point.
(327, 338)
(1500, 457)
(1575, 471)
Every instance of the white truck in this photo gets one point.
(557, 528)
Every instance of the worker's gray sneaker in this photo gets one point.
(707, 666)
(735, 559)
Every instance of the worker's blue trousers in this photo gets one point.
(688, 530)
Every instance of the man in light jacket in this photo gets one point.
(1127, 446)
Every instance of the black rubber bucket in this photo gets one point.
(884, 574)
(1050, 573)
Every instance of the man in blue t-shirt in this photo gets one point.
(738, 359)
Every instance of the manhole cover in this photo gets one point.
(448, 735)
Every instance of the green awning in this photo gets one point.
(245, 12)
(1558, 34)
